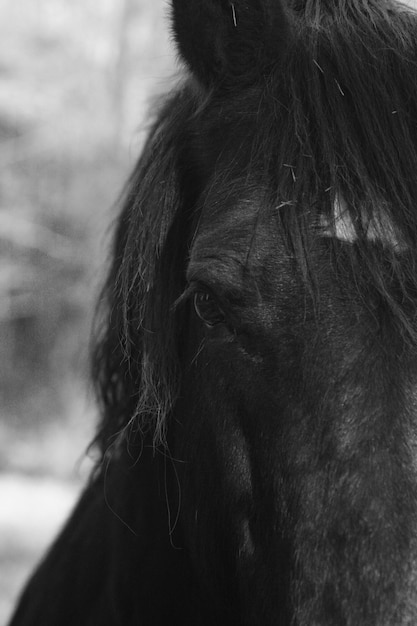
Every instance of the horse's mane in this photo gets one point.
(339, 116)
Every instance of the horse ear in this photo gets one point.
(230, 41)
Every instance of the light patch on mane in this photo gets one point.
(378, 228)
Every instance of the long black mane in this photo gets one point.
(336, 116)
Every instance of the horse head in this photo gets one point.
(296, 411)
(259, 333)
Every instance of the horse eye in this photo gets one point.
(207, 309)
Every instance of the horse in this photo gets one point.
(255, 351)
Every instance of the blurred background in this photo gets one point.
(77, 80)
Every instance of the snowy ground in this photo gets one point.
(31, 512)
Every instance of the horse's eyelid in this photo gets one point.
(188, 293)
(183, 298)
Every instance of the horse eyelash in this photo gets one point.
(191, 290)
(186, 295)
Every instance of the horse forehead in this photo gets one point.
(235, 237)
(235, 234)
